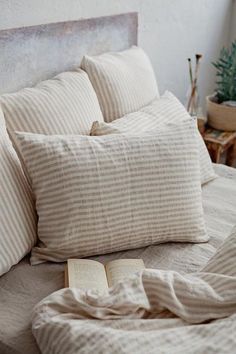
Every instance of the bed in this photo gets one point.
(24, 285)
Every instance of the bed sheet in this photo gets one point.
(24, 286)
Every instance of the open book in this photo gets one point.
(89, 274)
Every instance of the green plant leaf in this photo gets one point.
(226, 73)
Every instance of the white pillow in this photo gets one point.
(124, 81)
(66, 104)
(161, 111)
(17, 214)
(97, 195)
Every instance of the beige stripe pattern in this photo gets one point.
(96, 195)
(157, 311)
(124, 81)
(17, 214)
(160, 111)
(66, 104)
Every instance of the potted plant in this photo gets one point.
(221, 107)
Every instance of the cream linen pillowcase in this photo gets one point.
(161, 111)
(17, 214)
(124, 81)
(96, 195)
(66, 104)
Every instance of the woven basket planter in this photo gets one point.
(220, 116)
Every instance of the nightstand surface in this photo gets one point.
(219, 143)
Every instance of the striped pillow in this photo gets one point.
(124, 81)
(161, 111)
(17, 215)
(66, 104)
(96, 195)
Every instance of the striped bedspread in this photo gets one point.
(156, 311)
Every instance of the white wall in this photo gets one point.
(169, 30)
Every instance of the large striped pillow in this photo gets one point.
(17, 214)
(161, 111)
(96, 195)
(66, 104)
(124, 81)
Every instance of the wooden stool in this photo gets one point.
(220, 142)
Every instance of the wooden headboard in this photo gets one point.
(31, 54)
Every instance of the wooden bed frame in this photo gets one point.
(32, 54)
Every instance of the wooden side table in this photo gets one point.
(219, 143)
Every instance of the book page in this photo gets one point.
(86, 274)
(66, 281)
(122, 268)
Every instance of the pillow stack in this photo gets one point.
(136, 181)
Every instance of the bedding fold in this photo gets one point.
(135, 307)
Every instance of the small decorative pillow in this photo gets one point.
(66, 104)
(161, 111)
(17, 214)
(124, 81)
(96, 195)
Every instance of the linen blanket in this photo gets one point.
(155, 311)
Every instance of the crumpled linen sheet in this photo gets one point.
(155, 311)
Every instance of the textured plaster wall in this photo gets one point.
(169, 30)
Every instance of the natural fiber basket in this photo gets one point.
(220, 116)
